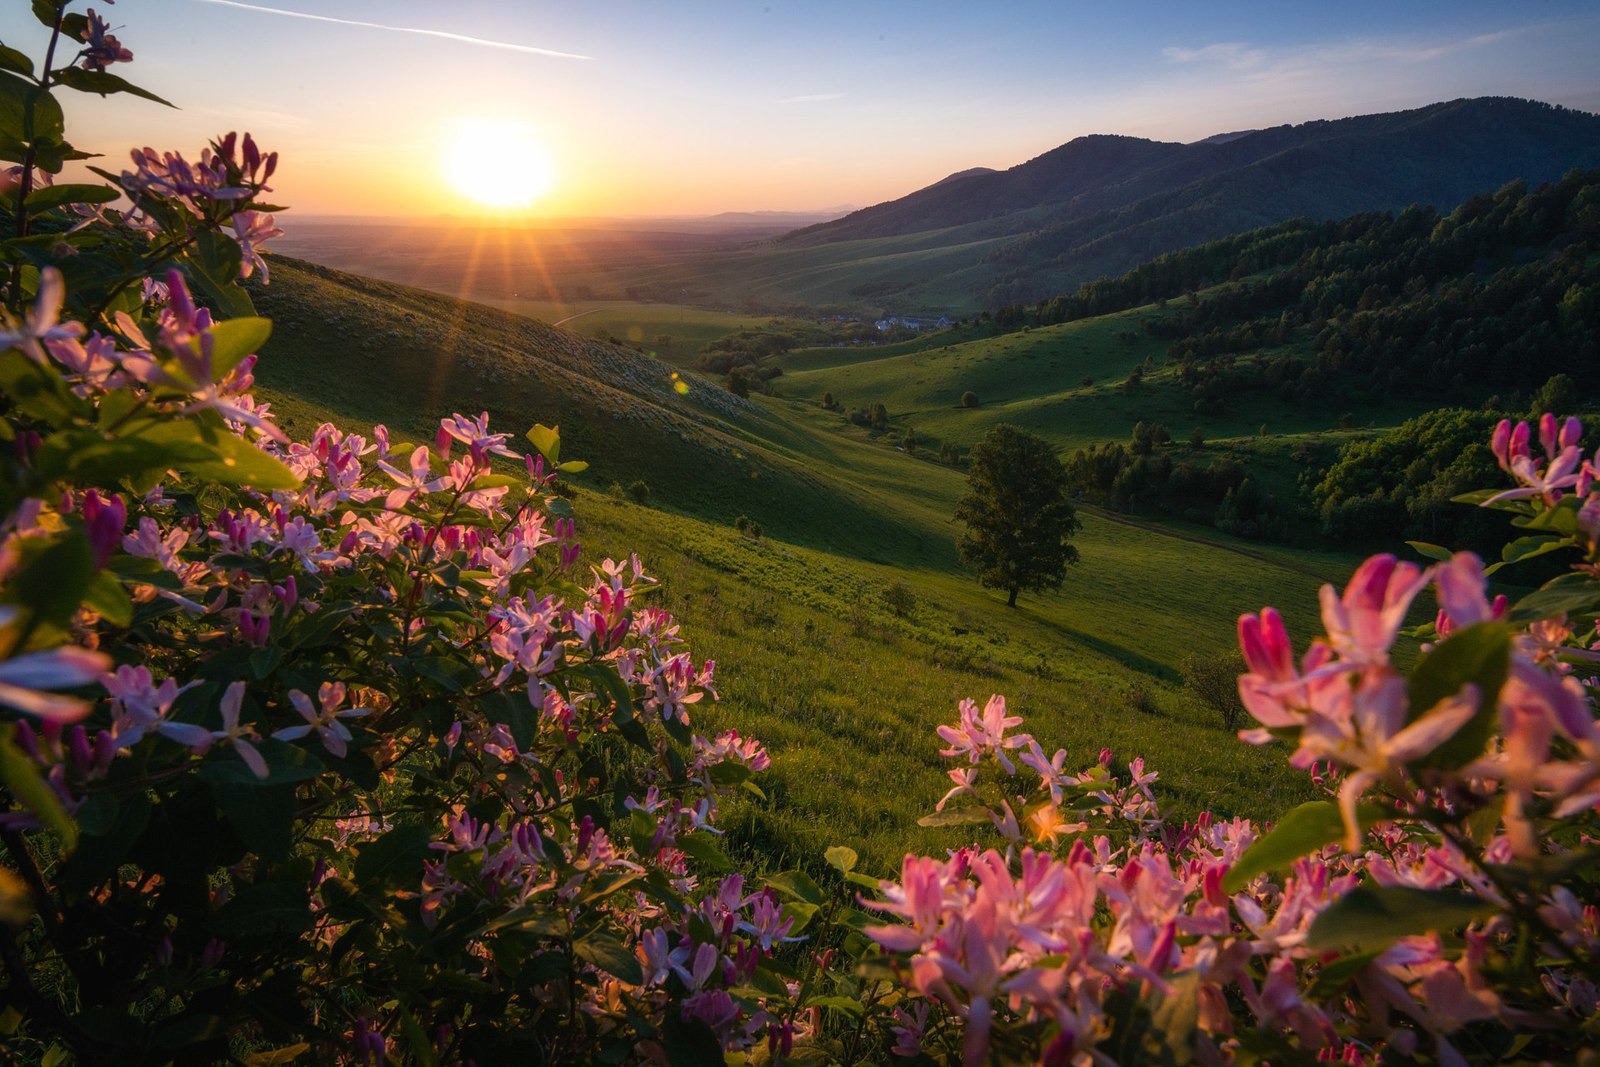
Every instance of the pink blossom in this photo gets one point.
(240, 737)
(101, 49)
(1363, 622)
(323, 718)
(25, 679)
(252, 229)
(42, 321)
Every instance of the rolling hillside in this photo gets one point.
(811, 656)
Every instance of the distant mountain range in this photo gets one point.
(1101, 204)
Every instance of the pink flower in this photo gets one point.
(1363, 622)
(323, 718)
(252, 229)
(416, 480)
(24, 678)
(101, 48)
(1562, 451)
(42, 321)
(240, 737)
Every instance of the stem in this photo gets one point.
(25, 183)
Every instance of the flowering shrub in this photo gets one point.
(327, 750)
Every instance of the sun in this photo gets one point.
(498, 163)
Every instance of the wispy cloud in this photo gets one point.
(810, 98)
(459, 38)
(1262, 62)
(1232, 54)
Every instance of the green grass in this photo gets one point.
(1034, 379)
(811, 659)
(688, 329)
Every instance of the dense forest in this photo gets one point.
(1490, 310)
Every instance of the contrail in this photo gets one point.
(462, 38)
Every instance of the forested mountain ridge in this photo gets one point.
(1100, 204)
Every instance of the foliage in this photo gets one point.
(324, 747)
(1401, 484)
(1019, 520)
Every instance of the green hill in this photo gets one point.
(813, 657)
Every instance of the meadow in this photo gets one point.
(811, 656)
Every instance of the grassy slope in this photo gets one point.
(811, 660)
(1034, 379)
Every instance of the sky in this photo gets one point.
(683, 107)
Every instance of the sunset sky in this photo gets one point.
(650, 107)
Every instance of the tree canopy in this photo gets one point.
(1019, 520)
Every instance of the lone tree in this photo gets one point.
(1019, 520)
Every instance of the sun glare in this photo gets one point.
(497, 163)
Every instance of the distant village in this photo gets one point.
(897, 322)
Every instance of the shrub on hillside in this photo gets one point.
(898, 598)
(1215, 681)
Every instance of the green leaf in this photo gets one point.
(1173, 1018)
(547, 439)
(395, 859)
(1479, 655)
(234, 339)
(103, 84)
(264, 909)
(209, 450)
(689, 1042)
(573, 466)
(13, 60)
(52, 196)
(276, 1056)
(802, 914)
(29, 115)
(606, 951)
(1302, 831)
(841, 858)
(53, 583)
(38, 392)
(1574, 594)
(263, 818)
(796, 885)
(849, 1005)
(1373, 917)
(1423, 548)
(704, 848)
(107, 597)
(1529, 547)
(956, 817)
(213, 262)
(21, 776)
(1333, 976)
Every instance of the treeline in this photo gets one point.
(1150, 474)
(1499, 294)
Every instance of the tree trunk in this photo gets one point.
(1011, 601)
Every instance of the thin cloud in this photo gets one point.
(1231, 54)
(441, 34)
(810, 98)
(1263, 63)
